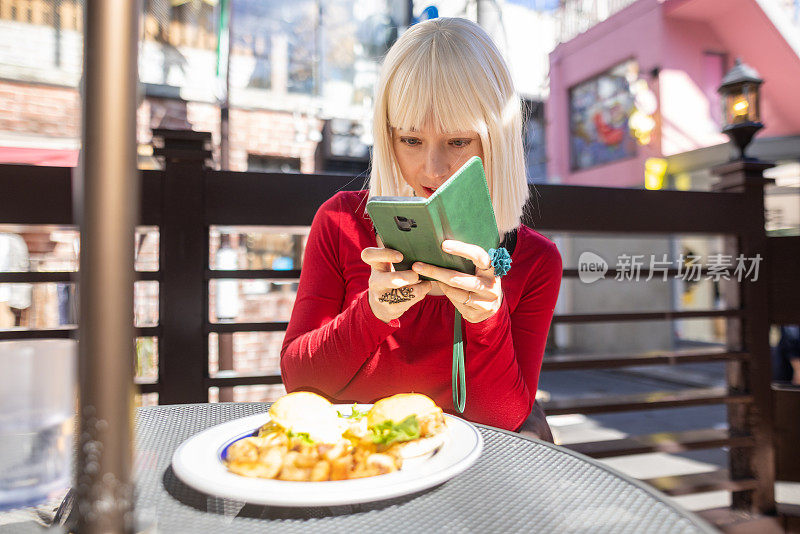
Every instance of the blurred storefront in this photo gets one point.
(293, 65)
(633, 103)
(643, 84)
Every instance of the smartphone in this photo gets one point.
(459, 209)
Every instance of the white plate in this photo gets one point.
(198, 463)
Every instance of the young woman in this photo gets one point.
(444, 95)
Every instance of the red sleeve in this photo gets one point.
(504, 352)
(326, 343)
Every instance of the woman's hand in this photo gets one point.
(391, 292)
(477, 297)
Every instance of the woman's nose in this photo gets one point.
(437, 167)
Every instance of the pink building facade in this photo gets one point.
(674, 53)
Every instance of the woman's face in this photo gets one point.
(427, 158)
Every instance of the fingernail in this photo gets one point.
(416, 267)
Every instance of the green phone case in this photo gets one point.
(460, 209)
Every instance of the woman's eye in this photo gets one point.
(460, 143)
(410, 141)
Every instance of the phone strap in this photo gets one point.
(459, 382)
(501, 262)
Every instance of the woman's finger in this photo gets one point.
(481, 305)
(468, 299)
(476, 254)
(394, 279)
(458, 296)
(466, 282)
(380, 259)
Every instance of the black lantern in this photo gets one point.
(740, 104)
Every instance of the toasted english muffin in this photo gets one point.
(303, 412)
(398, 408)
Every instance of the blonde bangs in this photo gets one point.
(423, 93)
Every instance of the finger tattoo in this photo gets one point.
(394, 296)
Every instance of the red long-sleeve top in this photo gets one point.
(336, 346)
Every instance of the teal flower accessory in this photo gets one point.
(501, 260)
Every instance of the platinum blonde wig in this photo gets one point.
(447, 73)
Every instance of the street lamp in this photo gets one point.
(740, 104)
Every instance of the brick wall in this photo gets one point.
(39, 110)
(272, 133)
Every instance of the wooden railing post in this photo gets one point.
(753, 375)
(183, 259)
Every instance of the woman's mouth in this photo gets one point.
(428, 190)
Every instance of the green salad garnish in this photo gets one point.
(355, 414)
(388, 432)
(302, 435)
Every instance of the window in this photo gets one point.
(258, 163)
(274, 42)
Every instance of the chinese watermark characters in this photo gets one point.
(689, 268)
